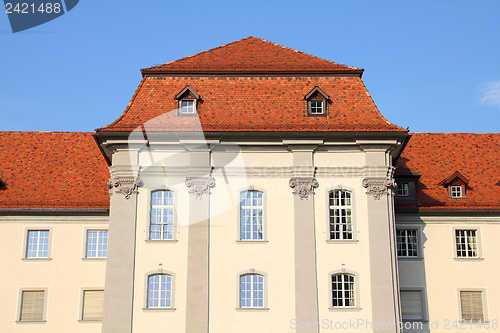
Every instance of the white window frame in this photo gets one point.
(343, 276)
(478, 254)
(484, 305)
(26, 240)
(189, 110)
(172, 291)
(314, 109)
(351, 207)
(456, 191)
(403, 189)
(99, 231)
(162, 207)
(262, 207)
(20, 304)
(252, 271)
(417, 241)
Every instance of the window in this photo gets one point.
(466, 243)
(32, 304)
(456, 191)
(316, 102)
(159, 291)
(471, 304)
(343, 290)
(188, 106)
(411, 304)
(251, 206)
(407, 243)
(188, 100)
(38, 244)
(340, 214)
(162, 216)
(316, 107)
(403, 189)
(251, 291)
(97, 243)
(93, 303)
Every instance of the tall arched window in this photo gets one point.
(159, 291)
(251, 222)
(343, 290)
(340, 203)
(162, 215)
(252, 291)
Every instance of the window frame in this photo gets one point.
(354, 225)
(172, 290)
(484, 305)
(418, 230)
(422, 291)
(195, 107)
(462, 191)
(405, 188)
(315, 95)
(25, 244)
(20, 304)
(86, 243)
(264, 220)
(150, 208)
(82, 303)
(479, 254)
(355, 275)
(265, 283)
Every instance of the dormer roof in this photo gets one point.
(445, 182)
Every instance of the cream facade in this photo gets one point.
(258, 196)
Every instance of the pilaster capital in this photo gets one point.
(378, 186)
(125, 185)
(200, 186)
(303, 186)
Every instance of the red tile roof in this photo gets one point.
(253, 104)
(251, 54)
(52, 170)
(436, 156)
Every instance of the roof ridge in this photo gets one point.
(225, 57)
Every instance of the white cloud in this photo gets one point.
(490, 94)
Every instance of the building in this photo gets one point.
(252, 188)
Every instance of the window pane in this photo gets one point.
(159, 291)
(162, 215)
(343, 290)
(340, 215)
(251, 290)
(251, 215)
(38, 244)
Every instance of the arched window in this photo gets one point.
(162, 215)
(340, 203)
(159, 291)
(343, 290)
(252, 291)
(251, 206)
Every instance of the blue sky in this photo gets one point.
(431, 65)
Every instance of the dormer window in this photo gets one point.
(316, 102)
(456, 191)
(188, 107)
(188, 100)
(456, 185)
(403, 189)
